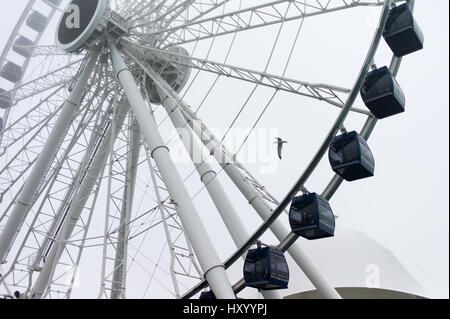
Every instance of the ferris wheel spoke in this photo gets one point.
(78, 248)
(330, 94)
(45, 222)
(34, 182)
(201, 12)
(62, 75)
(89, 173)
(66, 182)
(149, 12)
(129, 9)
(30, 129)
(36, 117)
(80, 127)
(255, 17)
(20, 163)
(200, 8)
(46, 50)
(171, 13)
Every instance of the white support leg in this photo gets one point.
(261, 207)
(74, 214)
(207, 173)
(46, 157)
(209, 260)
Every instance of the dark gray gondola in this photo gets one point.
(382, 94)
(11, 72)
(24, 46)
(55, 3)
(351, 158)
(266, 269)
(5, 99)
(37, 21)
(311, 217)
(1, 125)
(402, 33)
(207, 295)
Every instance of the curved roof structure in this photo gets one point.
(351, 261)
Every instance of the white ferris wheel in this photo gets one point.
(85, 161)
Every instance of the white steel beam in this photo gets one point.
(320, 91)
(259, 16)
(207, 173)
(209, 260)
(261, 207)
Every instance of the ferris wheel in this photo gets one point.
(84, 142)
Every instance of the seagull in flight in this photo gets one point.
(280, 144)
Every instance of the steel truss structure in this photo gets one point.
(78, 129)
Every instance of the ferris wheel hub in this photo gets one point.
(83, 23)
(175, 74)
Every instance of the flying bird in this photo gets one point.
(280, 144)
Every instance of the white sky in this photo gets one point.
(406, 206)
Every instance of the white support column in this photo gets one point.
(47, 154)
(260, 206)
(120, 263)
(78, 204)
(210, 262)
(207, 173)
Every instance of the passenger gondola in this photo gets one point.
(382, 94)
(5, 99)
(11, 72)
(351, 158)
(266, 269)
(402, 33)
(24, 46)
(311, 217)
(207, 295)
(37, 21)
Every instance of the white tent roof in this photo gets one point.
(351, 259)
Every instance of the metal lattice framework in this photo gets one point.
(79, 129)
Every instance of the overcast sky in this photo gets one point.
(405, 206)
